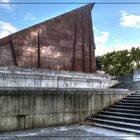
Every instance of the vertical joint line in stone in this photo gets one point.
(90, 53)
(38, 49)
(83, 47)
(74, 44)
(14, 56)
(93, 61)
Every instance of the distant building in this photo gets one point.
(136, 75)
(65, 42)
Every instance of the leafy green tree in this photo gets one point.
(135, 57)
(121, 62)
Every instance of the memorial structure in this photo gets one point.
(65, 42)
(48, 74)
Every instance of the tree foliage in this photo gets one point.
(121, 63)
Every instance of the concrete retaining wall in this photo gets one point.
(26, 109)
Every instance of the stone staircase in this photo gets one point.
(122, 116)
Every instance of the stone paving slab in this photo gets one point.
(72, 132)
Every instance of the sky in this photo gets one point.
(116, 23)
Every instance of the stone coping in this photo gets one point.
(20, 91)
(64, 89)
(21, 70)
(57, 77)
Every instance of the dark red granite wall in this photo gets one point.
(62, 43)
(6, 55)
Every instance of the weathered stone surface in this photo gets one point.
(29, 108)
(24, 77)
(65, 42)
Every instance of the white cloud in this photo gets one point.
(102, 38)
(128, 20)
(6, 29)
(100, 50)
(123, 13)
(4, 33)
(6, 6)
(29, 16)
(94, 29)
(7, 26)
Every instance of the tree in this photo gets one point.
(135, 56)
(121, 62)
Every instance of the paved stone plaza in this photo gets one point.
(72, 132)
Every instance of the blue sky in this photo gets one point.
(116, 26)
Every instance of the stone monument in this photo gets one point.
(48, 74)
(65, 42)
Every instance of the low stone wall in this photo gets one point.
(25, 77)
(34, 108)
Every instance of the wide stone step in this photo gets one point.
(134, 98)
(134, 95)
(131, 98)
(131, 101)
(121, 114)
(117, 123)
(126, 107)
(115, 118)
(131, 111)
(117, 128)
(129, 104)
(137, 92)
(138, 97)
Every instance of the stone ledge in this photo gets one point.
(32, 78)
(21, 70)
(40, 91)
